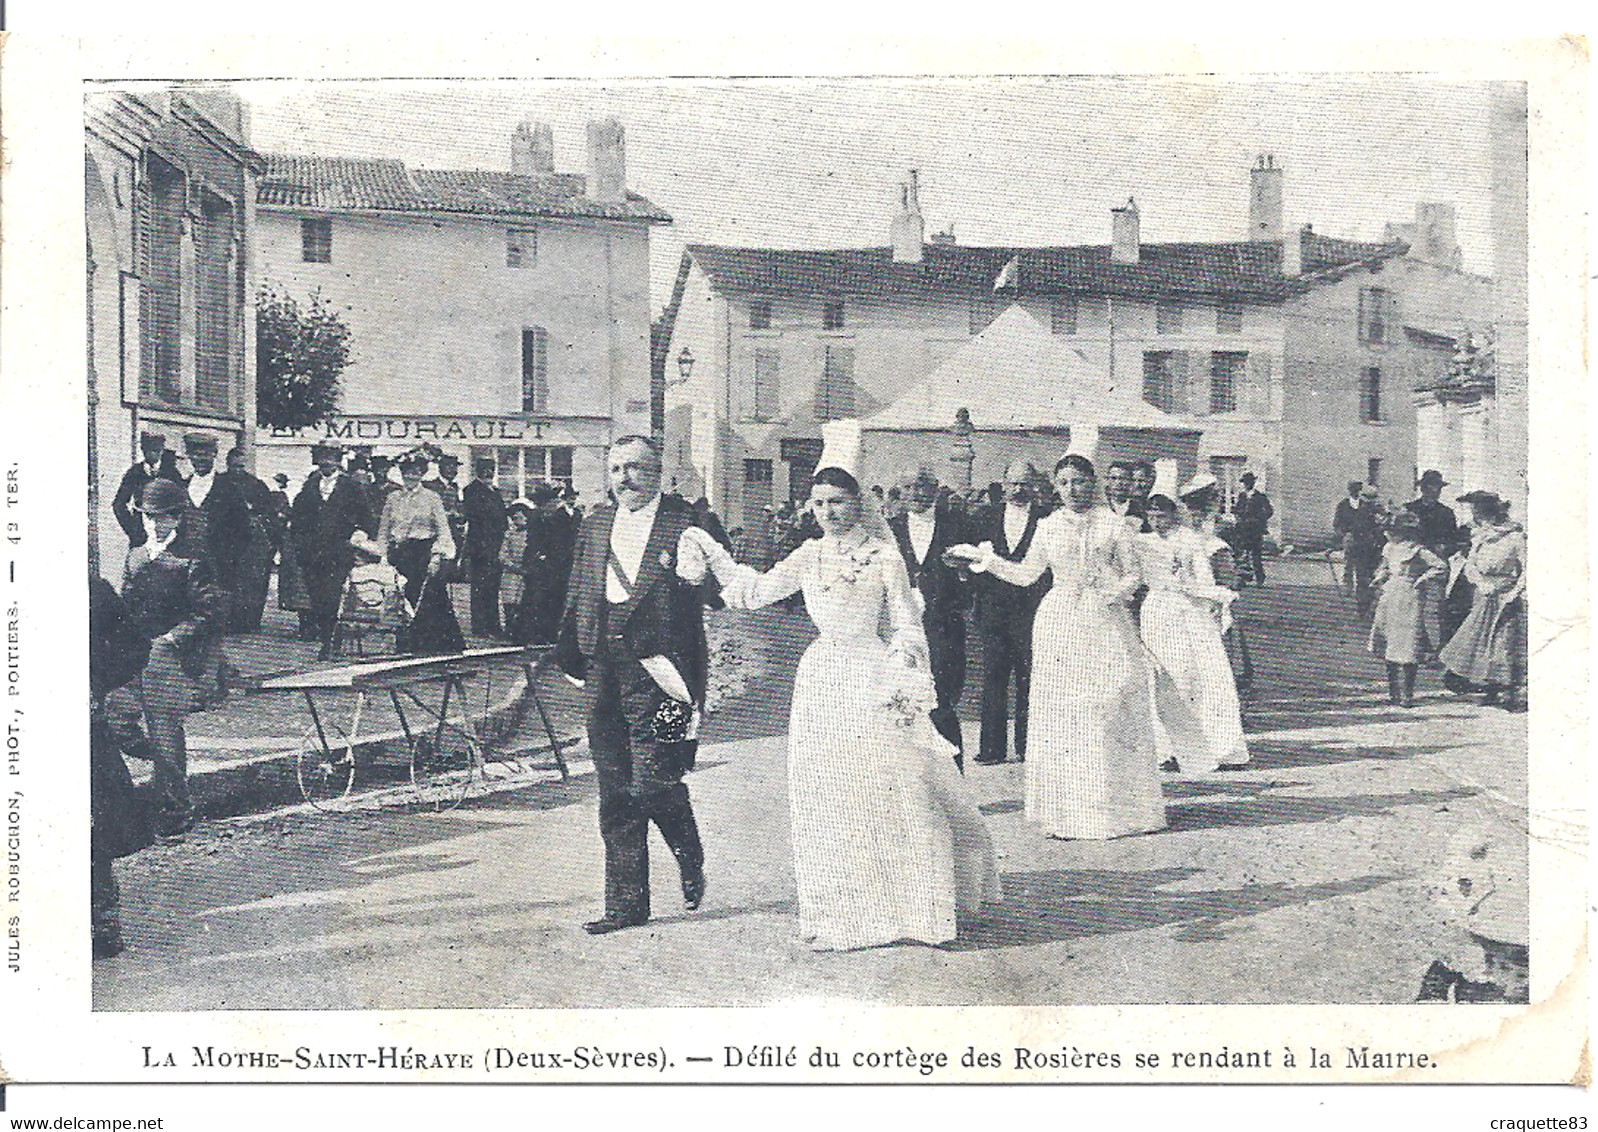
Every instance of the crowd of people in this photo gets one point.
(1437, 592)
(1102, 607)
(203, 545)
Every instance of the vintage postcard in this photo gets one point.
(1063, 572)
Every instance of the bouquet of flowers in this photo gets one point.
(905, 695)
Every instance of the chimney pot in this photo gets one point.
(532, 149)
(1265, 192)
(1125, 240)
(908, 230)
(607, 161)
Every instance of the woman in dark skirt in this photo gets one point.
(415, 529)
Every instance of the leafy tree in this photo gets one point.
(300, 351)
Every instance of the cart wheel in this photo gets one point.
(442, 768)
(326, 774)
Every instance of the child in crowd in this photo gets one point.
(1398, 627)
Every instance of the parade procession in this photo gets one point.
(1121, 600)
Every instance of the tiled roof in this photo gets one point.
(338, 184)
(853, 271)
(1244, 270)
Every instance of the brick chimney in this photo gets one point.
(607, 161)
(532, 149)
(908, 229)
(1265, 186)
(1124, 241)
(1293, 251)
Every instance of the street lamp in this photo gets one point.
(685, 365)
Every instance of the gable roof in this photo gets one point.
(1024, 377)
(358, 184)
(1239, 270)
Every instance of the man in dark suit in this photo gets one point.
(223, 525)
(486, 522)
(255, 565)
(633, 634)
(923, 533)
(1118, 494)
(328, 510)
(172, 601)
(157, 461)
(1252, 511)
(1004, 614)
(1440, 534)
(1358, 522)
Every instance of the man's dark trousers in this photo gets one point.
(634, 791)
(1007, 654)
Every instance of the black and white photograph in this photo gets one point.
(1087, 572)
(806, 544)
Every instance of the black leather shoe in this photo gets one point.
(608, 923)
(693, 890)
(988, 762)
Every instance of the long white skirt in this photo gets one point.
(887, 844)
(1197, 717)
(1091, 770)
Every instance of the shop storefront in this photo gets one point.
(565, 451)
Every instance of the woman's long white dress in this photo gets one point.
(887, 845)
(1091, 770)
(1197, 717)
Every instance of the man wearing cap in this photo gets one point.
(1358, 521)
(1252, 511)
(225, 521)
(633, 635)
(329, 509)
(255, 565)
(547, 563)
(486, 521)
(155, 461)
(169, 591)
(1440, 534)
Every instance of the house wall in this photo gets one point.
(436, 319)
(121, 130)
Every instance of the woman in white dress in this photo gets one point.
(887, 846)
(1091, 770)
(1197, 718)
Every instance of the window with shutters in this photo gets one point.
(1227, 369)
(535, 370)
(1159, 379)
(521, 247)
(1168, 318)
(213, 304)
(835, 397)
(832, 314)
(1370, 394)
(760, 314)
(316, 240)
(1229, 318)
(764, 390)
(983, 310)
(1378, 316)
(161, 297)
(1062, 315)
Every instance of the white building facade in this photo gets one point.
(1286, 352)
(491, 314)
